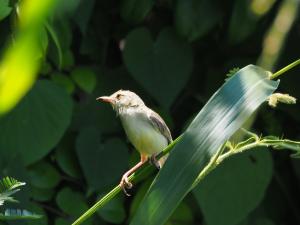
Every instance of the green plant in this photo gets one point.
(8, 187)
(235, 101)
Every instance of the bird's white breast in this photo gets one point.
(141, 133)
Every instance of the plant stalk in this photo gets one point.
(285, 69)
(117, 189)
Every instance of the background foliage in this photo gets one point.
(71, 149)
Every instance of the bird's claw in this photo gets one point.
(155, 162)
(125, 184)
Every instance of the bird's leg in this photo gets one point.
(125, 183)
(155, 162)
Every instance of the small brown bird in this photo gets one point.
(145, 129)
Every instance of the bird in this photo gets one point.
(144, 128)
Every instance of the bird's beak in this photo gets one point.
(106, 99)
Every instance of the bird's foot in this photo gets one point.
(155, 162)
(125, 184)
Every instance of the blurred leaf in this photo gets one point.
(41, 194)
(18, 214)
(103, 164)
(194, 18)
(114, 211)
(36, 125)
(61, 36)
(85, 78)
(239, 180)
(43, 41)
(243, 22)
(64, 81)
(182, 215)
(135, 11)
(5, 9)
(66, 158)
(71, 202)
(83, 14)
(138, 197)
(91, 113)
(61, 221)
(152, 63)
(67, 8)
(44, 175)
(55, 39)
(68, 60)
(224, 113)
(21, 60)
(45, 69)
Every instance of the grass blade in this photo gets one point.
(224, 113)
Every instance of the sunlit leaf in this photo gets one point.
(224, 113)
(21, 60)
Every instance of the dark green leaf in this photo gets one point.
(61, 36)
(83, 14)
(85, 78)
(182, 215)
(66, 157)
(71, 202)
(36, 125)
(114, 211)
(243, 21)
(61, 221)
(41, 194)
(44, 175)
(224, 113)
(100, 159)
(135, 11)
(152, 63)
(67, 8)
(64, 81)
(5, 9)
(242, 178)
(194, 18)
(56, 41)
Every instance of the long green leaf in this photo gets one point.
(224, 113)
(18, 214)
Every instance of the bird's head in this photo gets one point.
(122, 99)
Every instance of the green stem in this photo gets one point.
(286, 68)
(210, 166)
(117, 189)
(216, 159)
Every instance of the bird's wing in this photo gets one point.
(159, 124)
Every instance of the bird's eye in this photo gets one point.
(119, 96)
